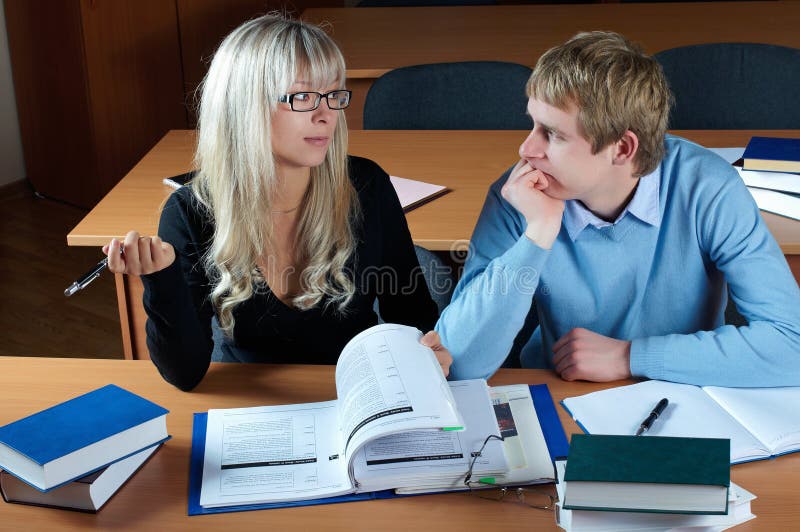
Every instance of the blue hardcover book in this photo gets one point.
(557, 446)
(70, 440)
(772, 154)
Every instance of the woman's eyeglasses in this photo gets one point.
(486, 488)
(308, 101)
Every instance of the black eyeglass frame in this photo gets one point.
(476, 486)
(289, 98)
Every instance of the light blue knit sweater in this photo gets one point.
(663, 286)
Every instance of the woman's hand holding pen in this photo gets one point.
(143, 254)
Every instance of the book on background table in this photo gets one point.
(780, 203)
(647, 474)
(760, 422)
(547, 417)
(777, 181)
(410, 192)
(775, 192)
(79, 436)
(772, 154)
(87, 494)
(598, 521)
(386, 383)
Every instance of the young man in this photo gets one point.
(619, 244)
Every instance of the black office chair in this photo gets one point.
(733, 86)
(468, 95)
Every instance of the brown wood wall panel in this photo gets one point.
(133, 69)
(204, 23)
(45, 41)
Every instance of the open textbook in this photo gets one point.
(386, 383)
(760, 422)
(534, 419)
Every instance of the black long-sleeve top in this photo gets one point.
(179, 310)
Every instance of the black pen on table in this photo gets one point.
(657, 411)
(84, 280)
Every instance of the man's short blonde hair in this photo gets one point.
(616, 87)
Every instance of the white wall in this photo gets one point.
(12, 163)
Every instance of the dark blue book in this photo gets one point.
(772, 154)
(72, 439)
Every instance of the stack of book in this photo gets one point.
(617, 514)
(770, 167)
(78, 453)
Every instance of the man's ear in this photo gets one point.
(625, 149)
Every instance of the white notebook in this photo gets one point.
(413, 193)
(760, 422)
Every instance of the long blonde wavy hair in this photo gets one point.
(236, 181)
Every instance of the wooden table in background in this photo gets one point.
(376, 40)
(156, 497)
(467, 162)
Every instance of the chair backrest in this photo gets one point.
(438, 277)
(468, 95)
(733, 86)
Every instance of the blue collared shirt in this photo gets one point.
(644, 206)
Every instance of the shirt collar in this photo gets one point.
(644, 206)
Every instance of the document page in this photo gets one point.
(525, 446)
(771, 414)
(691, 412)
(435, 458)
(387, 382)
(272, 453)
(412, 193)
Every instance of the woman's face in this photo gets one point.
(301, 139)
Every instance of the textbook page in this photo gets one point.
(436, 459)
(771, 180)
(272, 453)
(691, 412)
(388, 382)
(787, 205)
(771, 414)
(525, 446)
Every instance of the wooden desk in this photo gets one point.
(376, 40)
(465, 161)
(156, 497)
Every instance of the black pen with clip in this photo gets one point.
(657, 411)
(89, 276)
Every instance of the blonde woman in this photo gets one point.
(281, 236)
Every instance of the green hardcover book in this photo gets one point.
(647, 474)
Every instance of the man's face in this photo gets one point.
(556, 147)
